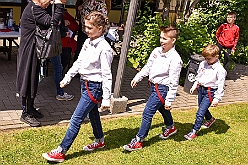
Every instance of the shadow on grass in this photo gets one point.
(116, 138)
(219, 127)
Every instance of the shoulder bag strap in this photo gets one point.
(32, 9)
(52, 13)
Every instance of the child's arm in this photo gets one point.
(196, 82)
(144, 71)
(221, 74)
(174, 74)
(73, 70)
(106, 58)
(236, 38)
(219, 31)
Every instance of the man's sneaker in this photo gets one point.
(93, 146)
(190, 135)
(54, 156)
(168, 132)
(133, 145)
(65, 97)
(30, 120)
(35, 113)
(208, 123)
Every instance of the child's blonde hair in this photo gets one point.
(211, 50)
(98, 19)
(171, 31)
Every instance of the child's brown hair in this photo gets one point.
(232, 13)
(211, 50)
(171, 31)
(98, 19)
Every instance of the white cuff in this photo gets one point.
(167, 103)
(216, 100)
(106, 103)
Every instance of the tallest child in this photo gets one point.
(94, 67)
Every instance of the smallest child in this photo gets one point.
(210, 81)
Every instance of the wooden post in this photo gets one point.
(125, 46)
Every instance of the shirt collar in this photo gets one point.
(96, 41)
(166, 54)
(212, 66)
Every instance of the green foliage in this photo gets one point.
(145, 37)
(215, 14)
(194, 35)
(227, 136)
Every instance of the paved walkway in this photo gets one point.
(60, 111)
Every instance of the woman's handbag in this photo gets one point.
(48, 42)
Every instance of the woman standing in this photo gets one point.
(27, 62)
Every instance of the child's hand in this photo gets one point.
(62, 84)
(80, 8)
(67, 23)
(133, 83)
(214, 104)
(104, 107)
(67, 34)
(191, 90)
(167, 107)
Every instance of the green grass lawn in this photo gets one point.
(226, 142)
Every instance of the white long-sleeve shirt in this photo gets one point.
(94, 64)
(163, 68)
(211, 76)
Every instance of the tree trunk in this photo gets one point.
(166, 9)
(190, 9)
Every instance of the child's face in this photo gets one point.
(211, 60)
(166, 42)
(230, 19)
(92, 31)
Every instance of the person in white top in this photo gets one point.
(94, 66)
(163, 68)
(210, 82)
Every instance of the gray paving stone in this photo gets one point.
(57, 112)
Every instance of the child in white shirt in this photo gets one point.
(94, 66)
(163, 68)
(210, 81)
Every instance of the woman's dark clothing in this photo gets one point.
(27, 61)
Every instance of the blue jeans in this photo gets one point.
(153, 104)
(57, 70)
(85, 106)
(204, 104)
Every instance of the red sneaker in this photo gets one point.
(168, 132)
(93, 146)
(133, 145)
(190, 135)
(208, 123)
(54, 156)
